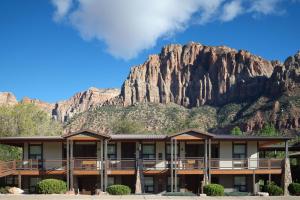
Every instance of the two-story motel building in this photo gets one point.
(89, 161)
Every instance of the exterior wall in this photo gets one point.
(227, 182)
(25, 151)
(160, 150)
(252, 151)
(52, 151)
(225, 154)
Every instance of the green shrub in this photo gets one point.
(4, 190)
(274, 190)
(214, 190)
(294, 189)
(118, 190)
(51, 186)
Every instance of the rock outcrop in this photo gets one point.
(7, 98)
(82, 101)
(194, 75)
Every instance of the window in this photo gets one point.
(239, 151)
(239, 183)
(169, 184)
(11, 180)
(32, 184)
(148, 151)
(168, 151)
(149, 184)
(111, 151)
(35, 152)
(110, 180)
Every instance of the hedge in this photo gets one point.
(214, 190)
(294, 189)
(274, 190)
(118, 190)
(51, 186)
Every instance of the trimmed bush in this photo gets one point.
(118, 190)
(51, 186)
(274, 190)
(214, 190)
(4, 190)
(294, 189)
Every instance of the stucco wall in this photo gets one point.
(225, 154)
(52, 151)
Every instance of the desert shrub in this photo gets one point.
(294, 189)
(236, 131)
(118, 190)
(273, 189)
(4, 190)
(214, 190)
(51, 186)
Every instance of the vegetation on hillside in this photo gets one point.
(24, 120)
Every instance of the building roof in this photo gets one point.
(137, 137)
(86, 131)
(250, 137)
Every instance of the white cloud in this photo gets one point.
(231, 10)
(131, 26)
(62, 8)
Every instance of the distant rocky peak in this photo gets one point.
(7, 98)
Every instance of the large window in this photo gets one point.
(149, 184)
(168, 151)
(35, 152)
(239, 183)
(110, 180)
(148, 151)
(239, 151)
(32, 184)
(112, 151)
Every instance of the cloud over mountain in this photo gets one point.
(131, 26)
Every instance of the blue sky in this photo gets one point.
(53, 49)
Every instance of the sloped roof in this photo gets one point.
(83, 131)
(204, 133)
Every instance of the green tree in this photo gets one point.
(127, 126)
(268, 130)
(236, 131)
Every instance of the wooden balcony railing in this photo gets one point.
(9, 167)
(251, 163)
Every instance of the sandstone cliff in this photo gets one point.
(194, 75)
(7, 98)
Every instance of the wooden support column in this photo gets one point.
(71, 167)
(209, 159)
(270, 178)
(205, 162)
(68, 165)
(172, 162)
(101, 166)
(253, 182)
(106, 164)
(176, 165)
(19, 181)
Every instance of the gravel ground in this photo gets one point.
(134, 197)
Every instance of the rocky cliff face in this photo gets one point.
(82, 101)
(7, 98)
(194, 75)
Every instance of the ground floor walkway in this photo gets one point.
(135, 197)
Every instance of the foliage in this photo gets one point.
(268, 130)
(127, 126)
(26, 119)
(118, 190)
(214, 190)
(179, 194)
(236, 131)
(10, 152)
(4, 190)
(294, 189)
(51, 186)
(273, 189)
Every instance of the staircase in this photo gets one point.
(7, 168)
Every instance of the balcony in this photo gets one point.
(92, 166)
